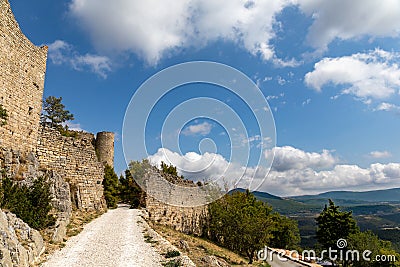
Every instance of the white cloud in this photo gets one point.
(384, 106)
(152, 29)
(306, 102)
(365, 75)
(281, 81)
(198, 129)
(345, 19)
(295, 178)
(73, 126)
(288, 158)
(61, 52)
(380, 154)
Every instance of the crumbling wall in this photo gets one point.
(75, 159)
(23, 67)
(188, 220)
(161, 189)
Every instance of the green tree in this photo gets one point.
(240, 222)
(130, 191)
(362, 241)
(3, 116)
(285, 233)
(170, 169)
(110, 184)
(55, 113)
(334, 224)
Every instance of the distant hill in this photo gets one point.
(282, 205)
(257, 194)
(388, 195)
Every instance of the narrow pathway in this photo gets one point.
(114, 239)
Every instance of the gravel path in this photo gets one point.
(114, 239)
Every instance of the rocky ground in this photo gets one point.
(120, 237)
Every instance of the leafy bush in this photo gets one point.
(31, 204)
(173, 263)
(172, 254)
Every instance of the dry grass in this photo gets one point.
(199, 248)
(79, 219)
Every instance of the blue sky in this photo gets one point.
(329, 70)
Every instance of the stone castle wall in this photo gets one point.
(76, 161)
(23, 67)
(188, 220)
(163, 188)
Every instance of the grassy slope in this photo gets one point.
(200, 247)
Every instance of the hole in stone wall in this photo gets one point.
(30, 109)
(36, 85)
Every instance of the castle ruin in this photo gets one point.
(26, 147)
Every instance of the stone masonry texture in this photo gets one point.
(75, 159)
(105, 148)
(23, 67)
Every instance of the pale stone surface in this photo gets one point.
(20, 245)
(213, 261)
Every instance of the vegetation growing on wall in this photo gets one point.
(31, 204)
(3, 116)
(55, 115)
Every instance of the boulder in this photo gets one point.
(20, 245)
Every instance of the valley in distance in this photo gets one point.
(377, 210)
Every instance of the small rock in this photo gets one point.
(185, 261)
(212, 261)
(60, 232)
(182, 244)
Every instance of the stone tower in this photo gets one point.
(22, 72)
(105, 148)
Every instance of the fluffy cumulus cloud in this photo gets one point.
(198, 129)
(315, 172)
(345, 19)
(288, 158)
(373, 75)
(60, 52)
(153, 28)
